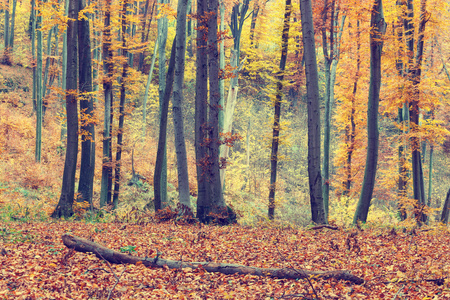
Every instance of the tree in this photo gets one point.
(177, 105)
(86, 181)
(378, 26)
(210, 198)
(331, 54)
(277, 112)
(162, 41)
(123, 79)
(201, 103)
(64, 207)
(105, 193)
(312, 94)
(161, 152)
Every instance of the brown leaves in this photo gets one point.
(42, 267)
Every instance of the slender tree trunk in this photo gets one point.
(33, 49)
(446, 209)
(162, 40)
(277, 113)
(352, 128)
(376, 45)
(46, 70)
(418, 182)
(312, 93)
(329, 56)
(216, 196)
(402, 170)
(177, 105)
(13, 21)
(226, 113)
(161, 152)
(105, 194)
(64, 207)
(121, 107)
(39, 95)
(86, 181)
(201, 116)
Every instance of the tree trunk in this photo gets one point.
(418, 183)
(123, 80)
(376, 45)
(177, 105)
(161, 152)
(115, 257)
(446, 209)
(216, 196)
(201, 117)
(39, 95)
(13, 21)
(312, 94)
(238, 17)
(86, 182)
(277, 112)
(33, 49)
(64, 207)
(105, 194)
(162, 40)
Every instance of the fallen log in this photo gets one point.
(85, 246)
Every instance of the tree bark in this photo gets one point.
(177, 105)
(312, 94)
(64, 207)
(86, 182)
(277, 112)
(446, 209)
(105, 193)
(216, 197)
(115, 257)
(376, 45)
(161, 152)
(123, 79)
(201, 104)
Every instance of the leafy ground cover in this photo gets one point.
(34, 263)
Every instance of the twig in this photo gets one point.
(299, 272)
(398, 292)
(117, 277)
(117, 281)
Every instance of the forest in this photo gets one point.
(224, 149)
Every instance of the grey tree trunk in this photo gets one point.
(147, 88)
(13, 21)
(216, 196)
(201, 112)
(64, 207)
(402, 169)
(105, 193)
(177, 105)
(123, 79)
(33, 48)
(39, 95)
(446, 209)
(86, 181)
(277, 112)
(417, 170)
(376, 45)
(162, 40)
(312, 94)
(161, 152)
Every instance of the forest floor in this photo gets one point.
(35, 264)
